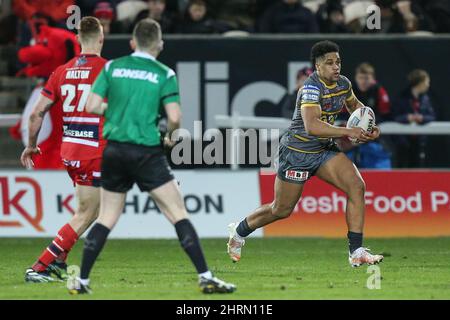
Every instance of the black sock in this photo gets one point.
(243, 229)
(191, 244)
(93, 244)
(354, 240)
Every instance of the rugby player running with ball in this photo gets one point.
(308, 149)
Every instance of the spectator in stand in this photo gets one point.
(157, 11)
(27, 10)
(413, 106)
(355, 14)
(87, 7)
(370, 92)
(196, 20)
(374, 154)
(127, 12)
(287, 104)
(104, 12)
(401, 17)
(288, 16)
(330, 17)
(236, 14)
(56, 9)
(261, 6)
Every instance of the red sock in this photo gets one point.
(64, 241)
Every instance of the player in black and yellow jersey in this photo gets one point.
(308, 149)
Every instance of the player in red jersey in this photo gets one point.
(81, 149)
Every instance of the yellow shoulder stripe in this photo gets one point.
(339, 93)
(329, 87)
(310, 105)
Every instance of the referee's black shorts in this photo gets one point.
(125, 164)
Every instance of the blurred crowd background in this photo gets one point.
(36, 33)
(219, 16)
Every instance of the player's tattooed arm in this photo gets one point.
(43, 105)
(352, 103)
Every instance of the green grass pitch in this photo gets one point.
(277, 268)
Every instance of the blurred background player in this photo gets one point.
(413, 106)
(308, 149)
(136, 87)
(82, 145)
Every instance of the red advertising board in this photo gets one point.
(398, 204)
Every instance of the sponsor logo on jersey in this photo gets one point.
(297, 175)
(81, 131)
(80, 61)
(310, 97)
(79, 134)
(135, 74)
(304, 91)
(72, 163)
(308, 86)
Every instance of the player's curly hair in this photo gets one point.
(321, 48)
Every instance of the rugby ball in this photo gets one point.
(363, 118)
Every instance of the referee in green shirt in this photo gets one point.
(136, 87)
